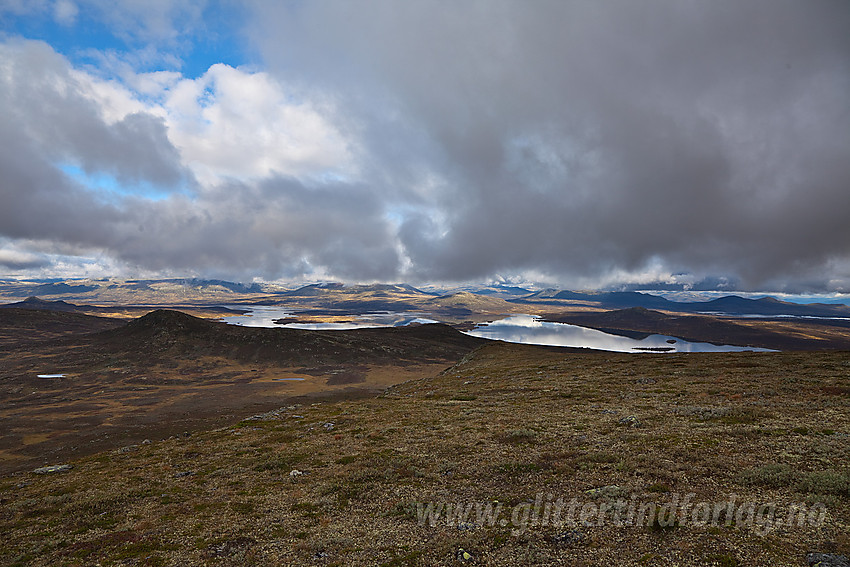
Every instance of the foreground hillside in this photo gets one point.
(742, 458)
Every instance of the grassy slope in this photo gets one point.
(506, 423)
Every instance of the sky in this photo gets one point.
(577, 143)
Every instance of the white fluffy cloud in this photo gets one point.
(231, 123)
(228, 124)
(235, 124)
(271, 179)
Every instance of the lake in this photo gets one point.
(529, 329)
(265, 316)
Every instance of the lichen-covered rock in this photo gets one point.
(53, 469)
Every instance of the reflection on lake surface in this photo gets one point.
(527, 329)
(530, 329)
(265, 316)
(256, 316)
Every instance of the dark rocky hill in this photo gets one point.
(34, 302)
(173, 333)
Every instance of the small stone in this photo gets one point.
(630, 421)
(184, 474)
(827, 560)
(53, 469)
(328, 426)
(571, 537)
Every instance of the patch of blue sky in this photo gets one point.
(67, 39)
(220, 39)
(396, 215)
(108, 187)
(217, 38)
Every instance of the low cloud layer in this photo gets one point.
(575, 142)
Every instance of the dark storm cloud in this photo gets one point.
(577, 138)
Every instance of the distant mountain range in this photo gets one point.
(731, 304)
(360, 298)
(110, 291)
